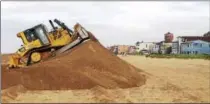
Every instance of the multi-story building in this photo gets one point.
(131, 50)
(144, 46)
(184, 39)
(123, 49)
(174, 47)
(155, 48)
(195, 47)
(165, 48)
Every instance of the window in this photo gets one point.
(30, 36)
(188, 52)
(33, 37)
(40, 32)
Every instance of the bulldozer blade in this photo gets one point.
(82, 32)
(83, 36)
(69, 46)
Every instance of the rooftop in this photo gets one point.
(191, 38)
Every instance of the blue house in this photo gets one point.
(185, 39)
(195, 47)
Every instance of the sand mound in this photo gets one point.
(84, 67)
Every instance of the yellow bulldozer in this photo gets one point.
(39, 44)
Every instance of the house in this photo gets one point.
(165, 48)
(113, 49)
(155, 48)
(174, 47)
(123, 49)
(183, 39)
(195, 47)
(144, 46)
(131, 50)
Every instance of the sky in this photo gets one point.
(112, 22)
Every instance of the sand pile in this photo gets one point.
(84, 67)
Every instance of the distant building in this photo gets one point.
(113, 49)
(165, 48)
(174, 47)
(122, 49)
(168, 37)
(155, 48)
(144, 46)
(131, 50)
(183, 39)
(195, 47)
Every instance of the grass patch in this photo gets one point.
(180, 56)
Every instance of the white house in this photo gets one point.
(175, 47)
(144, 46)
(155, 48)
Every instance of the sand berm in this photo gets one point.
(84, 67)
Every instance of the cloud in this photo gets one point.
(112, 22)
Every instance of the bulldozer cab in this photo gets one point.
(37, 33)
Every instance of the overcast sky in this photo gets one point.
(111, 22)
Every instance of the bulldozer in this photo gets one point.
(39, 44)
